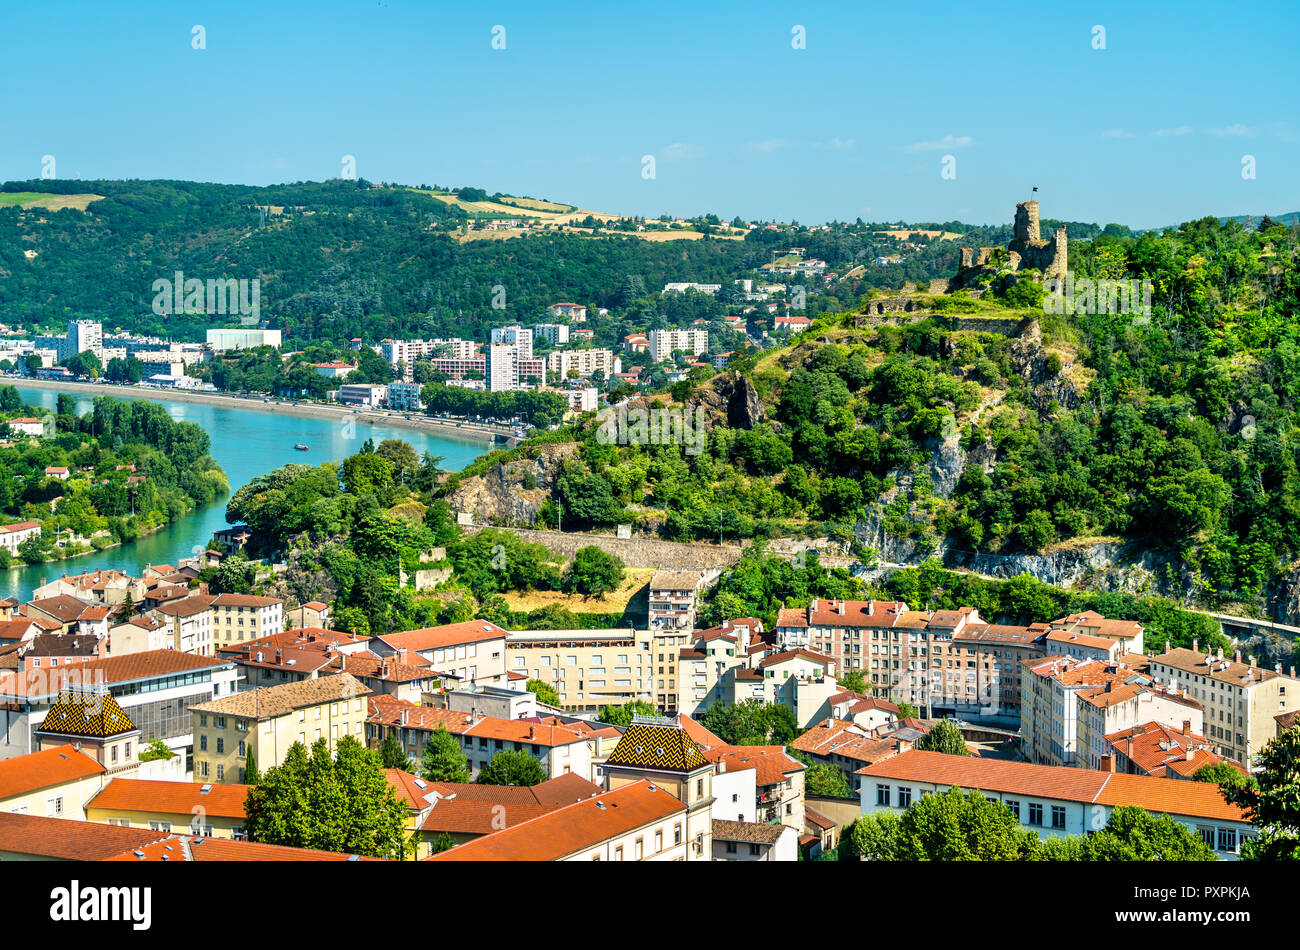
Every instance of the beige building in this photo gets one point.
(196, 808)
(1240, 699)
(239, 617)
(588, 668)
(1072, 705)
(266, 722)
(637, 821)
(96, 725)
(52, 783)
(189, 624)
(472, 652)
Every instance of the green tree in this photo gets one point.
(622, 715)
(822, 779)
(155, 749)
(1219, 773)
(251, 775)
(393, 755)
(1131, 834)
(593, 572)
(944, 736)
(509, 767)
(947, 826)
(1271, 800)
(545, 692)
(443, 759)
(340, 802)
(853, 680)
(908, 711)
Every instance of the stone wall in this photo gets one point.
(636, 552)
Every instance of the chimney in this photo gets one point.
(1108, 763)
(1277, 667)
(1191, 753)
(532, 732)
(1187, 727)
(1293, 672)
(343, 662)
(1128, 746)
(1196, 646)
(1166, 646)
(1237, 657)
(279, 655)
(1220, 653)
(841, 608)
(1252, 661)
(813, 606)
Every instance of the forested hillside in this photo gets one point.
(1167, 442)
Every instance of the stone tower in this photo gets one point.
(1026, 226)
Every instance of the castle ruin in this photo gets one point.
(1027, 249)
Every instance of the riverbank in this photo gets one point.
(469, 431)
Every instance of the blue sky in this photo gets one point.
(1149, 131)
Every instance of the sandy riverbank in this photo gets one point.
(470, 432)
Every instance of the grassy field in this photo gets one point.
(633, 581)
(33, 199)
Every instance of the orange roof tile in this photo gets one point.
(27, 773)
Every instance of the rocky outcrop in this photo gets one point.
(512, 493)
(730, 399)
(947, 460)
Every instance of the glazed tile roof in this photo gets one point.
(666, 748)
(90, 715)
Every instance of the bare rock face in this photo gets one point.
(946, 463)
(730, 399)
(502, 495)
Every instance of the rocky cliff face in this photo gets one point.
(499, 495)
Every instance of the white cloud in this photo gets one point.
(1235, 129)
(948, 141)
(764, 147)
(842, 143)
(1118, 134)
(1180, 130)
(681, 150)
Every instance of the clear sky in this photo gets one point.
(1151, 130)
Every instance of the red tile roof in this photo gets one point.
(1062, 782)
(451, 634)
(574, 828)
(175, 798)
(27, 773)
(69, 839)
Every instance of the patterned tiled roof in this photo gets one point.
(666, 748)
(82, 714)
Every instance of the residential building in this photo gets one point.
(1128, 633)
(240, 617)
(556, 334)
(190, 625)
(1072, 705)
(12, 535)
(54, 783)
(521, 338)
(199, 808)
(1154, 748)
(792, 323)
(663, 343)
(583, 362)
(242, 338)
(778, 780)
(405, 397)
(558, 749)
(576, 312)
(747, 841)
(1054, 800)
(673, 596)
(1241, 700)
(638, 821)
(335, 370)
(268, 721)
(93, 722)
(589, 669)
(471, 652)
(850, 747)
(368, 395)
(27, 425)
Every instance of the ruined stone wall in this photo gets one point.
(636, 552)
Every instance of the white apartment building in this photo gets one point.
(516, 336)
(242, 338)
(405, 397)
(663, 343)
(584, 362)
(556, 334)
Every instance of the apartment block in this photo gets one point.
(240, 617)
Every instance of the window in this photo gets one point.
(1035, 813)
(221, 745)
(203, 743)
(1058, 816)
(640, 854)
(753, 850)
(731, 847)
(54, 806)
(659, 841)
(677, 833)
(160, 826)
(1015, 808)
(904, 797)
(618, 853)
(882, 795)
(1227, 839)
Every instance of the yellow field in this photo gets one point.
(31, 199)
(536, 205)
(905, 235)
(633, 581)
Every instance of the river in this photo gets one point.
(246, 443)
